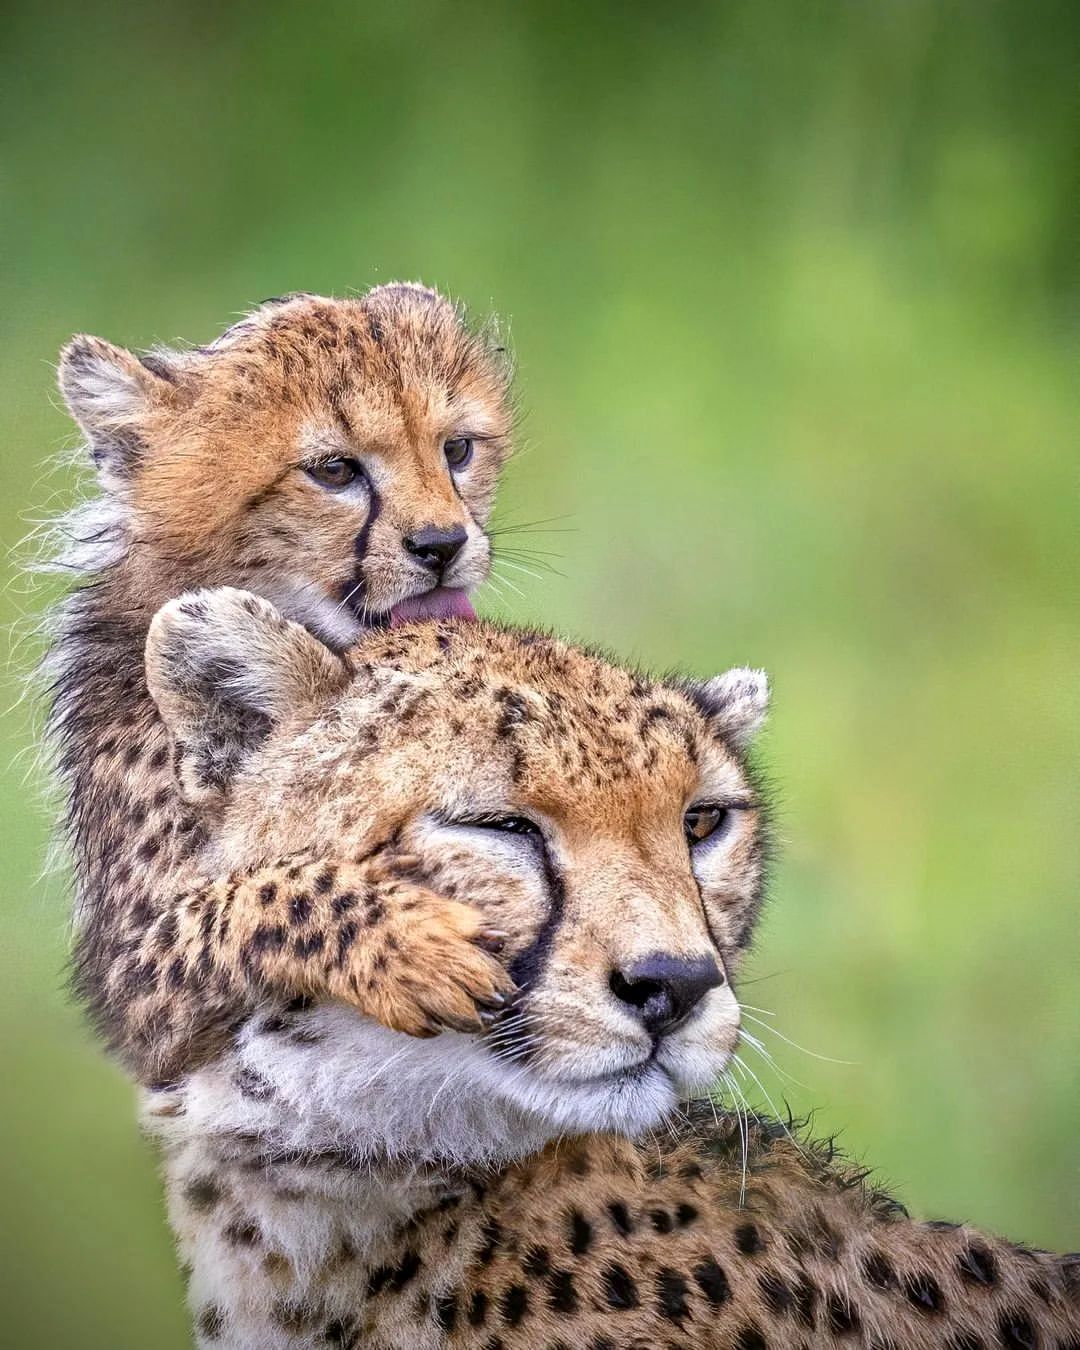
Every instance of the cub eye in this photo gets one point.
(458, 451)
(335, 473)
(701, 821)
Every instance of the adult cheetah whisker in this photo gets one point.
(828, 1059)
(770, 1103)
(743, 1123)
(773, 1064)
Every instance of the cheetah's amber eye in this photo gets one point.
(335, 473)
(458, 451)
(701, 821)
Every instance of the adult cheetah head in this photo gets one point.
(337, 456)
(608, 822)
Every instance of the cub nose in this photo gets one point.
(664, 990)
(435, 548)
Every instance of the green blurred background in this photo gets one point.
(792, 289)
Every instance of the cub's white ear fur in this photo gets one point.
(108, 390)
(735, 703)
(225, 668)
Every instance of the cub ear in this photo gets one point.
(225, 668)
(735, 703)
(108, 391)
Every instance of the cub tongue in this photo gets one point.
(444, 602)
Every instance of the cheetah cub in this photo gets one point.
(544, 1183)
(338, 457)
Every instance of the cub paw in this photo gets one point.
(427, 964)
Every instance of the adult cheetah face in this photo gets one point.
(608, 823)
(339, 457)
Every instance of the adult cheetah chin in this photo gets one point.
(483, 896)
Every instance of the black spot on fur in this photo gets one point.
(515, 1304)
(581, 1233)
(377, 1280)
(243, 1233)
(492, 1236)
(562, 1296)
(478, 1306)
(268, 937)
(202, 1194)
(748, 1240)
(309, 946)
(404, 1271)
(750, 1338)
(620, 1218)
(446, 1311)
(211, 1322)
(661, 1220)
(346, 936)
(843, 1318)
(537, 1263)
(338, 1332)
(1016, 1331)
(924, 1292)
(878, 1270)
(619, 1287)
(977, 1265)
(713, 1283)
(777, 1295)
(685, 1215)
(671, 1295)
(805, 1301)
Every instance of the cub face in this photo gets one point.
(607, 822)
(339, 457)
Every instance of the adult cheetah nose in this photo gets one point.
(434, 547)
(664, 990)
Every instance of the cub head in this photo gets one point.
(608, 822)
(339, 457)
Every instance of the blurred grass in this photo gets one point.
(793, 292)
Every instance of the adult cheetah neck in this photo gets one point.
(597, 1242)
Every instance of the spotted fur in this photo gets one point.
(202, 457)
(543, 1183)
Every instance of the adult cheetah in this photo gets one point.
(542, 1183)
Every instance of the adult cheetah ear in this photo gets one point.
(225, 668)
(109, 391)
(735, 703)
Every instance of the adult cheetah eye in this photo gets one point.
(506, 824)
(702, 821)
(458, 451)
(335, 473)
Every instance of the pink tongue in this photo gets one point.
(444, 602)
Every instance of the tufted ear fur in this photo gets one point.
(225, 668)
(108, 390)
(735, 703)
